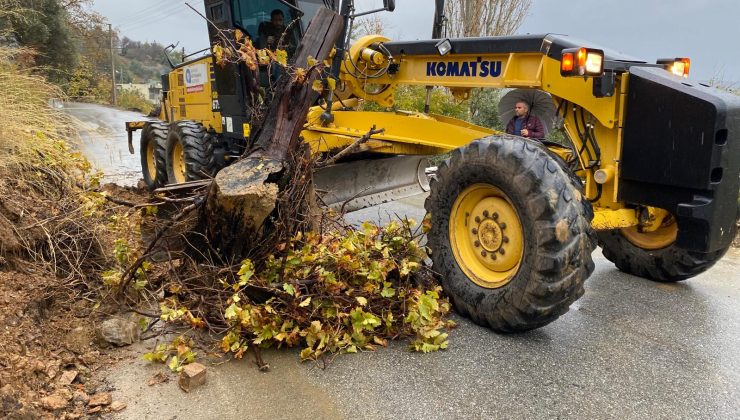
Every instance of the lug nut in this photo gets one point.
(485, 213)
(483, 253)
(503, 225)
(506, 239)
(477, 219)
(477, 244)
(501, 251)
(495, 215)
(475, 231)
(493, 256)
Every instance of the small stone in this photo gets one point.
(99, 399)
(77, 340)
(52, 368)
(192, 375)
(94, 410)
(54, 402)
(68, 377)
(65, 393)
(81, 396)
(117, 405)
(119, 331)
(6, 390)
(159, 378)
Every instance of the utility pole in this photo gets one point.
(112, 65)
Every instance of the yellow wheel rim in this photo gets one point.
(486, 235)
(660, 238)
(178, 163)
(151, 160)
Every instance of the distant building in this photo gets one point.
(150, 91)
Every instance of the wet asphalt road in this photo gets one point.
(104, 142)
(629, 348)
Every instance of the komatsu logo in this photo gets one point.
(478, 68)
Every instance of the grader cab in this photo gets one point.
(649, 170)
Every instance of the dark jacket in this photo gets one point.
(531, 123)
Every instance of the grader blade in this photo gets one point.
(356, 185)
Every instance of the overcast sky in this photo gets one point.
(707, 31)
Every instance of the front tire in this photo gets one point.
(504, 186)
(152, 151)
(189, 153)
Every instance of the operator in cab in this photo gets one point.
(271, 32)
(524, 124)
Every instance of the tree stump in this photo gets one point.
(244, 194)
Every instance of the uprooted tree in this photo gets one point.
(263, 266)
(274, 175)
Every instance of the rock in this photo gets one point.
(119, 331)
(94, 410)
(77, 340)
(192, 376)
(159, 378)
(117, 405)
(52, 368)
(54, 402)
(100, 399)
(81, 396)
(6, 390)
(74, 415)
(68, 377)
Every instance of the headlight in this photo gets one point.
(678, 66)
(582, 62)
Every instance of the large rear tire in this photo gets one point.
(510, 235)
(189, 153)
(655, 255)
(152, 150)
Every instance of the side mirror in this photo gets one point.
(389, 5)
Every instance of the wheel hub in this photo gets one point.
(490, 235)
(486, 235)
(488, 222)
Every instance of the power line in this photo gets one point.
(143, 13)
(153, 19)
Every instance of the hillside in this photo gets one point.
(141, 62)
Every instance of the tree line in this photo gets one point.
(70, 44)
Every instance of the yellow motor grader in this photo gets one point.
(649, 172)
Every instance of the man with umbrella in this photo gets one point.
(523, 124)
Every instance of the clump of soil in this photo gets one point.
(50, 297)
(45, 339)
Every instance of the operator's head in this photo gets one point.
(521, 109)
(277, 17)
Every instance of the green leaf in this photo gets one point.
(174, 364)
(306, 353)
(317, 86)
(230, 312)
(361, 300)
(387, 291)
(289, 288)
(305, 302)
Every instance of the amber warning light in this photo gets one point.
(582, 62)
(678, 66)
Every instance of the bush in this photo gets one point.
(134, 100)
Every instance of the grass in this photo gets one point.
(47, 209)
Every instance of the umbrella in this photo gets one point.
(540, 104)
